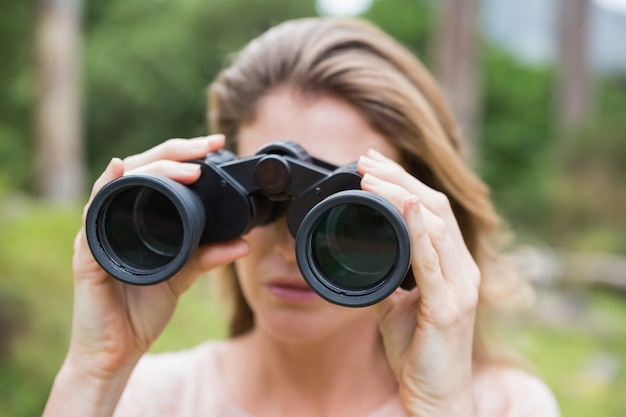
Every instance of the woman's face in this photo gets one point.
(329, 129)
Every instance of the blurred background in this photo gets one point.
(538, 86)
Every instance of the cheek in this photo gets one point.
(260, 241)
(249, 266)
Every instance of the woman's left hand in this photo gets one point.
(428, 332)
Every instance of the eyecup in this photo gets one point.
(329, 290)
(189, 209)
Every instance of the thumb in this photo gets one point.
(205, 259)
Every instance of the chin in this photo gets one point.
(300, 326)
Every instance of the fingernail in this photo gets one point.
(413, 203)
(367, 163)
(369, 179)
(191, 168)
(375, 154)
(111, 163)
(200, 144)
(217, 137)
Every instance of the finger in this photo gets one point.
(425, 259)
(451, 259)
(183, 172)
(435, 201)
(385, 307)
(390, 191)
(388, 169)
(177, 150)
(447, 281)
(397, 195)
(114, 170)
(206, 258)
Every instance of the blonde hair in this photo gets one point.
(355, 61)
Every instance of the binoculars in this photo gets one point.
(352, 246)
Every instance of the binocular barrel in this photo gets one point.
(352, 246)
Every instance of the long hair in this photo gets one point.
(354, 61)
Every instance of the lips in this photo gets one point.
(291, 290)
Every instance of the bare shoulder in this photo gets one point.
(511, 392)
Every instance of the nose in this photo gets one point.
(284, 243)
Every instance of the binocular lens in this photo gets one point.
(354, 246)
(144, 229)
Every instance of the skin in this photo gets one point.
(301, 358)
(422, 329)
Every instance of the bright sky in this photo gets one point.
(343, 7)
(618, 6)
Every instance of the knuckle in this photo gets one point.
(455, 314)
(420, 232)
(430, 261)
(467, 304)
(162, 165)
(441, 203)
(391, 171)
(166, 147)
(395, 170)
(474, 274)
(171, 142)
(439, 228)
(131, 161)
(467, 301)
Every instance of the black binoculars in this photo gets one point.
(352, 246)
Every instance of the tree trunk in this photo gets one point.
(455, 63)
(58, 124)
(573, 92)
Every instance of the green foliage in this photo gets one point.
(516, 142)
(36, 284)
(408, 21)
(17, 91)
(588, 208)
(35, 303)
(584, 363)
(563, 188)
(149, 64)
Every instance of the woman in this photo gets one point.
(344, 91)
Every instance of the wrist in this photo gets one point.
(458, 406)
(440, 413)
(79, 392)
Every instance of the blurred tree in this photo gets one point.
(573, 93)
(455, 44)
(408, 21)
(59, 158)
(515, 145)
(148, 64)
(16, 23)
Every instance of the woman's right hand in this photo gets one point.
(115, 323)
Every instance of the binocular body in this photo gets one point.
(352, 246)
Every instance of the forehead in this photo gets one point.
(327, 127)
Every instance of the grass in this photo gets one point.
(584, 362)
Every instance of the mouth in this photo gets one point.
(292, 291)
